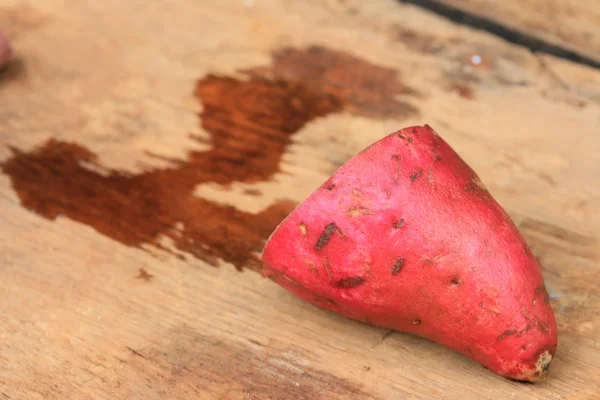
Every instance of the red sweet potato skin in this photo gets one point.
(405, 236)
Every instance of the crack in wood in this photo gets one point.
(515, 36)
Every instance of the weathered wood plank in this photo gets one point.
(152, 141)
(572, 25)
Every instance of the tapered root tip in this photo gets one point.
(539, 372)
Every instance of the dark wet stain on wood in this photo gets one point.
(139, 209)
(250, 123)
(418, 41)
(144, 275)
(464, 91)
(364, 88)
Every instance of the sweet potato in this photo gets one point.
(405, 236)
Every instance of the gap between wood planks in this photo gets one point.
(515, 36)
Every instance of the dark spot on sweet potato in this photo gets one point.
(398, 266)
(330, 186)
(456, 281)
(398, 167)
(313, 269)
(417, 322)
(326, 265)
(542, 326)
(523, 331)
(437, 158)
(325, 236)
(524, 348)
(399, 224)
(471, 187)
(416, 175)
(506, 333)
(407, 139)
(481, 304)
(350, 282)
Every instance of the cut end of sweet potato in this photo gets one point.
(539, 372)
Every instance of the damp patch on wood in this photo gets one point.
(365, 89)
(144, 275)
(250, 122)
(463, 90)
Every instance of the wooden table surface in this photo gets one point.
(148, 149)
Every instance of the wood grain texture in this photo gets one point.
(144, 156)
(570, 24)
